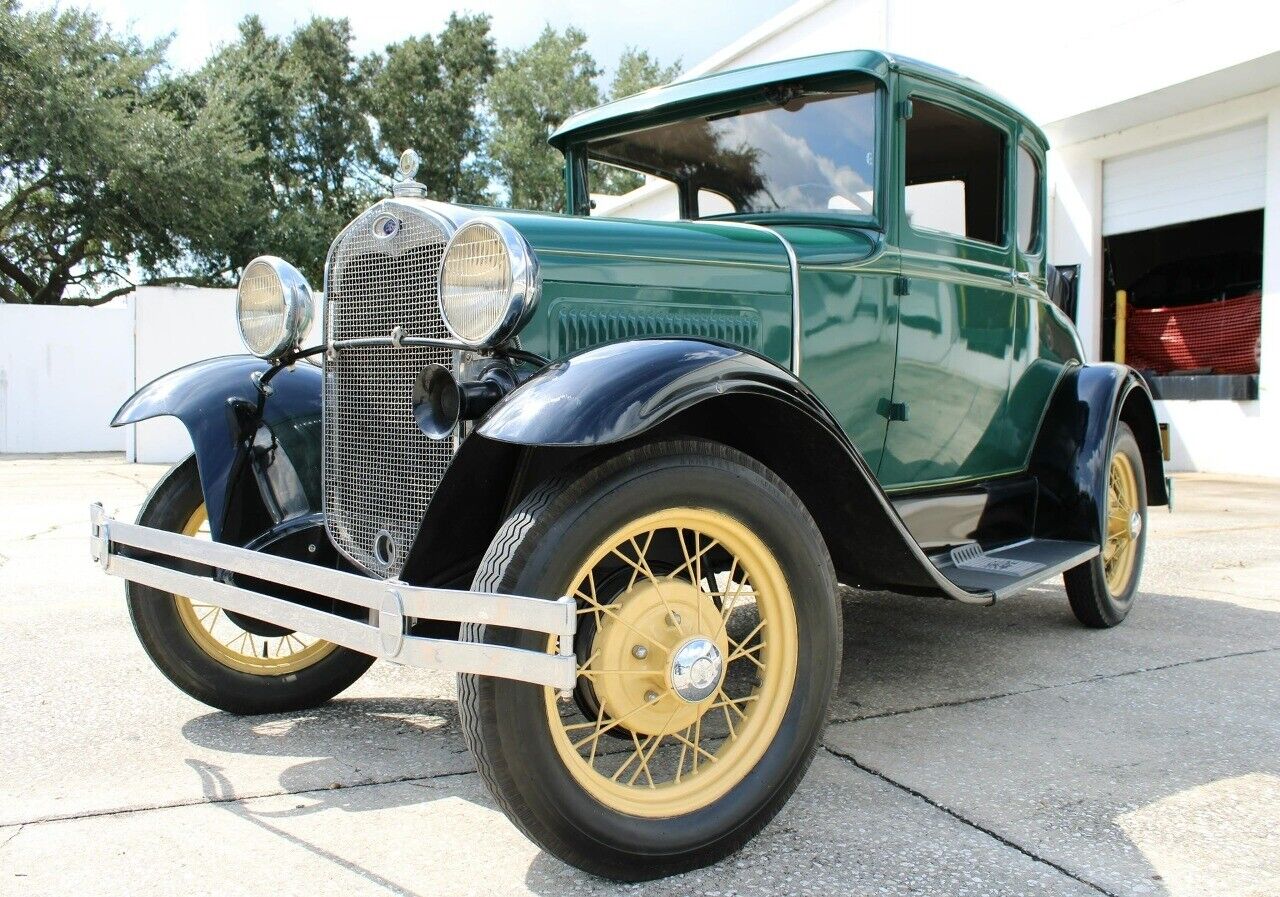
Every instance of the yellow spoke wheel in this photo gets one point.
(691, 669)
(222, 638)
(1124, 524)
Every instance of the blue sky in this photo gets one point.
(670, 29)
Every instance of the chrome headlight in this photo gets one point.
(274, 306)
(489, 282)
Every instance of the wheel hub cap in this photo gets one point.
(696, 669)
(1135, 525)
(649, 615)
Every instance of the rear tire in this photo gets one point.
(194, 661)
(689, 497)
(1102, 590)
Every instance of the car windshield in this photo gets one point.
(802, 151)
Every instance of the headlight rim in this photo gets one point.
(526, 282)
(297, 314)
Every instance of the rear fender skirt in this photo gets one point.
(609, 397)
(217, 401)
(1070, 460)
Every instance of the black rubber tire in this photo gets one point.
(537, 551)
(166, 640)
(1091, 599)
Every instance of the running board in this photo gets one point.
(1010, 569)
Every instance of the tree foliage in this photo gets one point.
(113, 167)
(531, 94)
(102, 168)
(300, 108)
(426, 94)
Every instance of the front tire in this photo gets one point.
(1102, 590)
(227, 661)
(708, 649)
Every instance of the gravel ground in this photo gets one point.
(973, 751)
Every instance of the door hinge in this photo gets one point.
(901, 285)
(905, 109)
(891, 410)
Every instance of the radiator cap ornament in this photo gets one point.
(407, 170)
(409, 162)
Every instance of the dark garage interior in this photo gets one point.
(1193, 305)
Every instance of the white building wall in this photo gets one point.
(65, 370)
(1214, 436)
(62, 373)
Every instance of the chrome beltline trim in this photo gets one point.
(795, 283)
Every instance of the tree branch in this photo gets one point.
(20, 277)
(153, 282)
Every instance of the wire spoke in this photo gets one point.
(613, 615)
(697, 749)
(733, 702)
(622, 719)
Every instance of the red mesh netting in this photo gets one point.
(1218, 335)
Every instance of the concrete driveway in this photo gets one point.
(973, 751)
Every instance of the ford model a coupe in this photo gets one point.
(611, 470)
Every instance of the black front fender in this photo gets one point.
(618, 391)
(231, 425)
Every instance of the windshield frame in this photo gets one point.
(577, 183)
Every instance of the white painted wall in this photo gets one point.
(65, 371)
(62, 371)
(1053, 60)
(1221, 437)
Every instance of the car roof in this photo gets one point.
(637, 109)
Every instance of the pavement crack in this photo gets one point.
(965, 820)
(15, 833)
(1039, 688)
(239, 798)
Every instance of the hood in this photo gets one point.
(664, 254)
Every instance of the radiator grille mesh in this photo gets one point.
(380, 471)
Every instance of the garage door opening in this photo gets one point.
(1191, 300)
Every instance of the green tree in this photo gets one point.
(425, 93)
(533, 91)
(103, 168)
(638, 71)
(300, 106)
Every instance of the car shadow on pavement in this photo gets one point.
(348, 743)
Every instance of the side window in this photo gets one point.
(1028, 200)
(954, 173)
(618, 192)
(712, 203)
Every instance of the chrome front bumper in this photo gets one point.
(392, 605)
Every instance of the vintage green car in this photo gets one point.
(610, 470)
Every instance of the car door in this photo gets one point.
(957, 301)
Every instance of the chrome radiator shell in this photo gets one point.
(379, 470)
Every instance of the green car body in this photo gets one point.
(890, 322)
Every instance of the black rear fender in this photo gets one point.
(1071, 454)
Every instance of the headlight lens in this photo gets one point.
(274, 306)
(488, 282)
